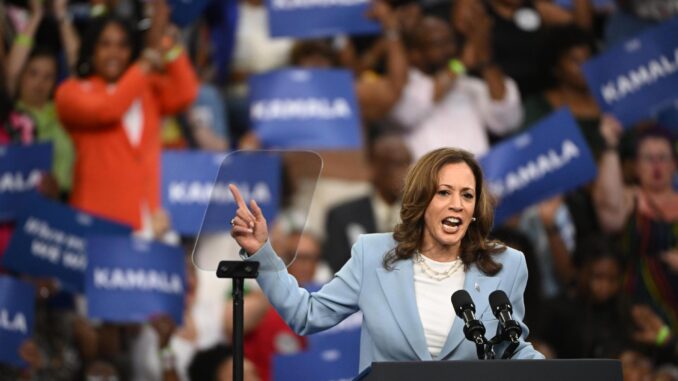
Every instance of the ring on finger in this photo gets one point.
(233, 222)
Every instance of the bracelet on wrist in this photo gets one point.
(173, 53)
(456, 67)
(23, 39)
(663, 336)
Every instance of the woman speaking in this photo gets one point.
(402, 281)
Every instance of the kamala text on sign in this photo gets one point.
(550, 158)
(637, 79)
(305, 109)
(130, 279)
(21, 168)
(17, 312)
(193, 180)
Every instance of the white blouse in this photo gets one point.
(434, 301)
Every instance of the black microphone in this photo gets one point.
(474, 329)
(501, 308)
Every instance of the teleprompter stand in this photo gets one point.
(238, 271)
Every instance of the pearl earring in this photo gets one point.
(473, 219)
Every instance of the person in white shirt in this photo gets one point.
(441, 106)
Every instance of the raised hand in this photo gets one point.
(611, 130)
(249, 227)
(548, 209)
(649, 324)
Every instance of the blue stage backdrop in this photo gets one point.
(637, 79)
(550, 158)
(130, 280)
(17, 315)
(21, 168)
(305, 109)
(51, 239)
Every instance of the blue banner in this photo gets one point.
(319, 18)
(306, 109)
(184, 12)
(188, 179)
(21, 168)
(597, 4)
(50, 241)
(131, 280)
(17, 314)
(195, 187)
(330, 357)
(550, 158)
(638, 78)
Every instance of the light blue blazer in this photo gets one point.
(391, 328)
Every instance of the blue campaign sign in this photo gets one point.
(21, 168)
(188, 179)
(130, 279)
(638, 78)
(330, 357)
(50, 241)
(306, 109)
(319, 18)
(550, 158)
(184, 12)
(17, 313)
(597, 4)
(258, 176)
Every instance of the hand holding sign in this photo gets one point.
(611, 130)
(249, 228)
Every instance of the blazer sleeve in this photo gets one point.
(177, 88)
(525, 350)
(80, 106)
(306, 312)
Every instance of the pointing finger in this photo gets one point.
(237, 196)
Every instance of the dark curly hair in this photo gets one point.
(420, 187)
(85, 66)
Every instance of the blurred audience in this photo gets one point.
(112, 111)
(644, 215)
(107, 81)
(441, 105)
(379, 211)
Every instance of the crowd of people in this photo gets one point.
(112, 83)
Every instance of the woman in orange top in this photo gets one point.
(113, 112)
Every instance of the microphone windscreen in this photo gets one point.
(498, 299)
(461, 301)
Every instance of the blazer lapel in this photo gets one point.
(398, 286)
(479, 286)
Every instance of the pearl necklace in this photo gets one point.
(433, 274)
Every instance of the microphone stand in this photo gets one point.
(503, 336)
(238, 271)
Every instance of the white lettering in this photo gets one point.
(535, 169)
(306, 108)
(196, 192)
(292, 4)
(16, 182)
(642, 76)
(13, 323)
(138, 279)
(45, 251)
(74, 261)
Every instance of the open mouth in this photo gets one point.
(451, 223)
